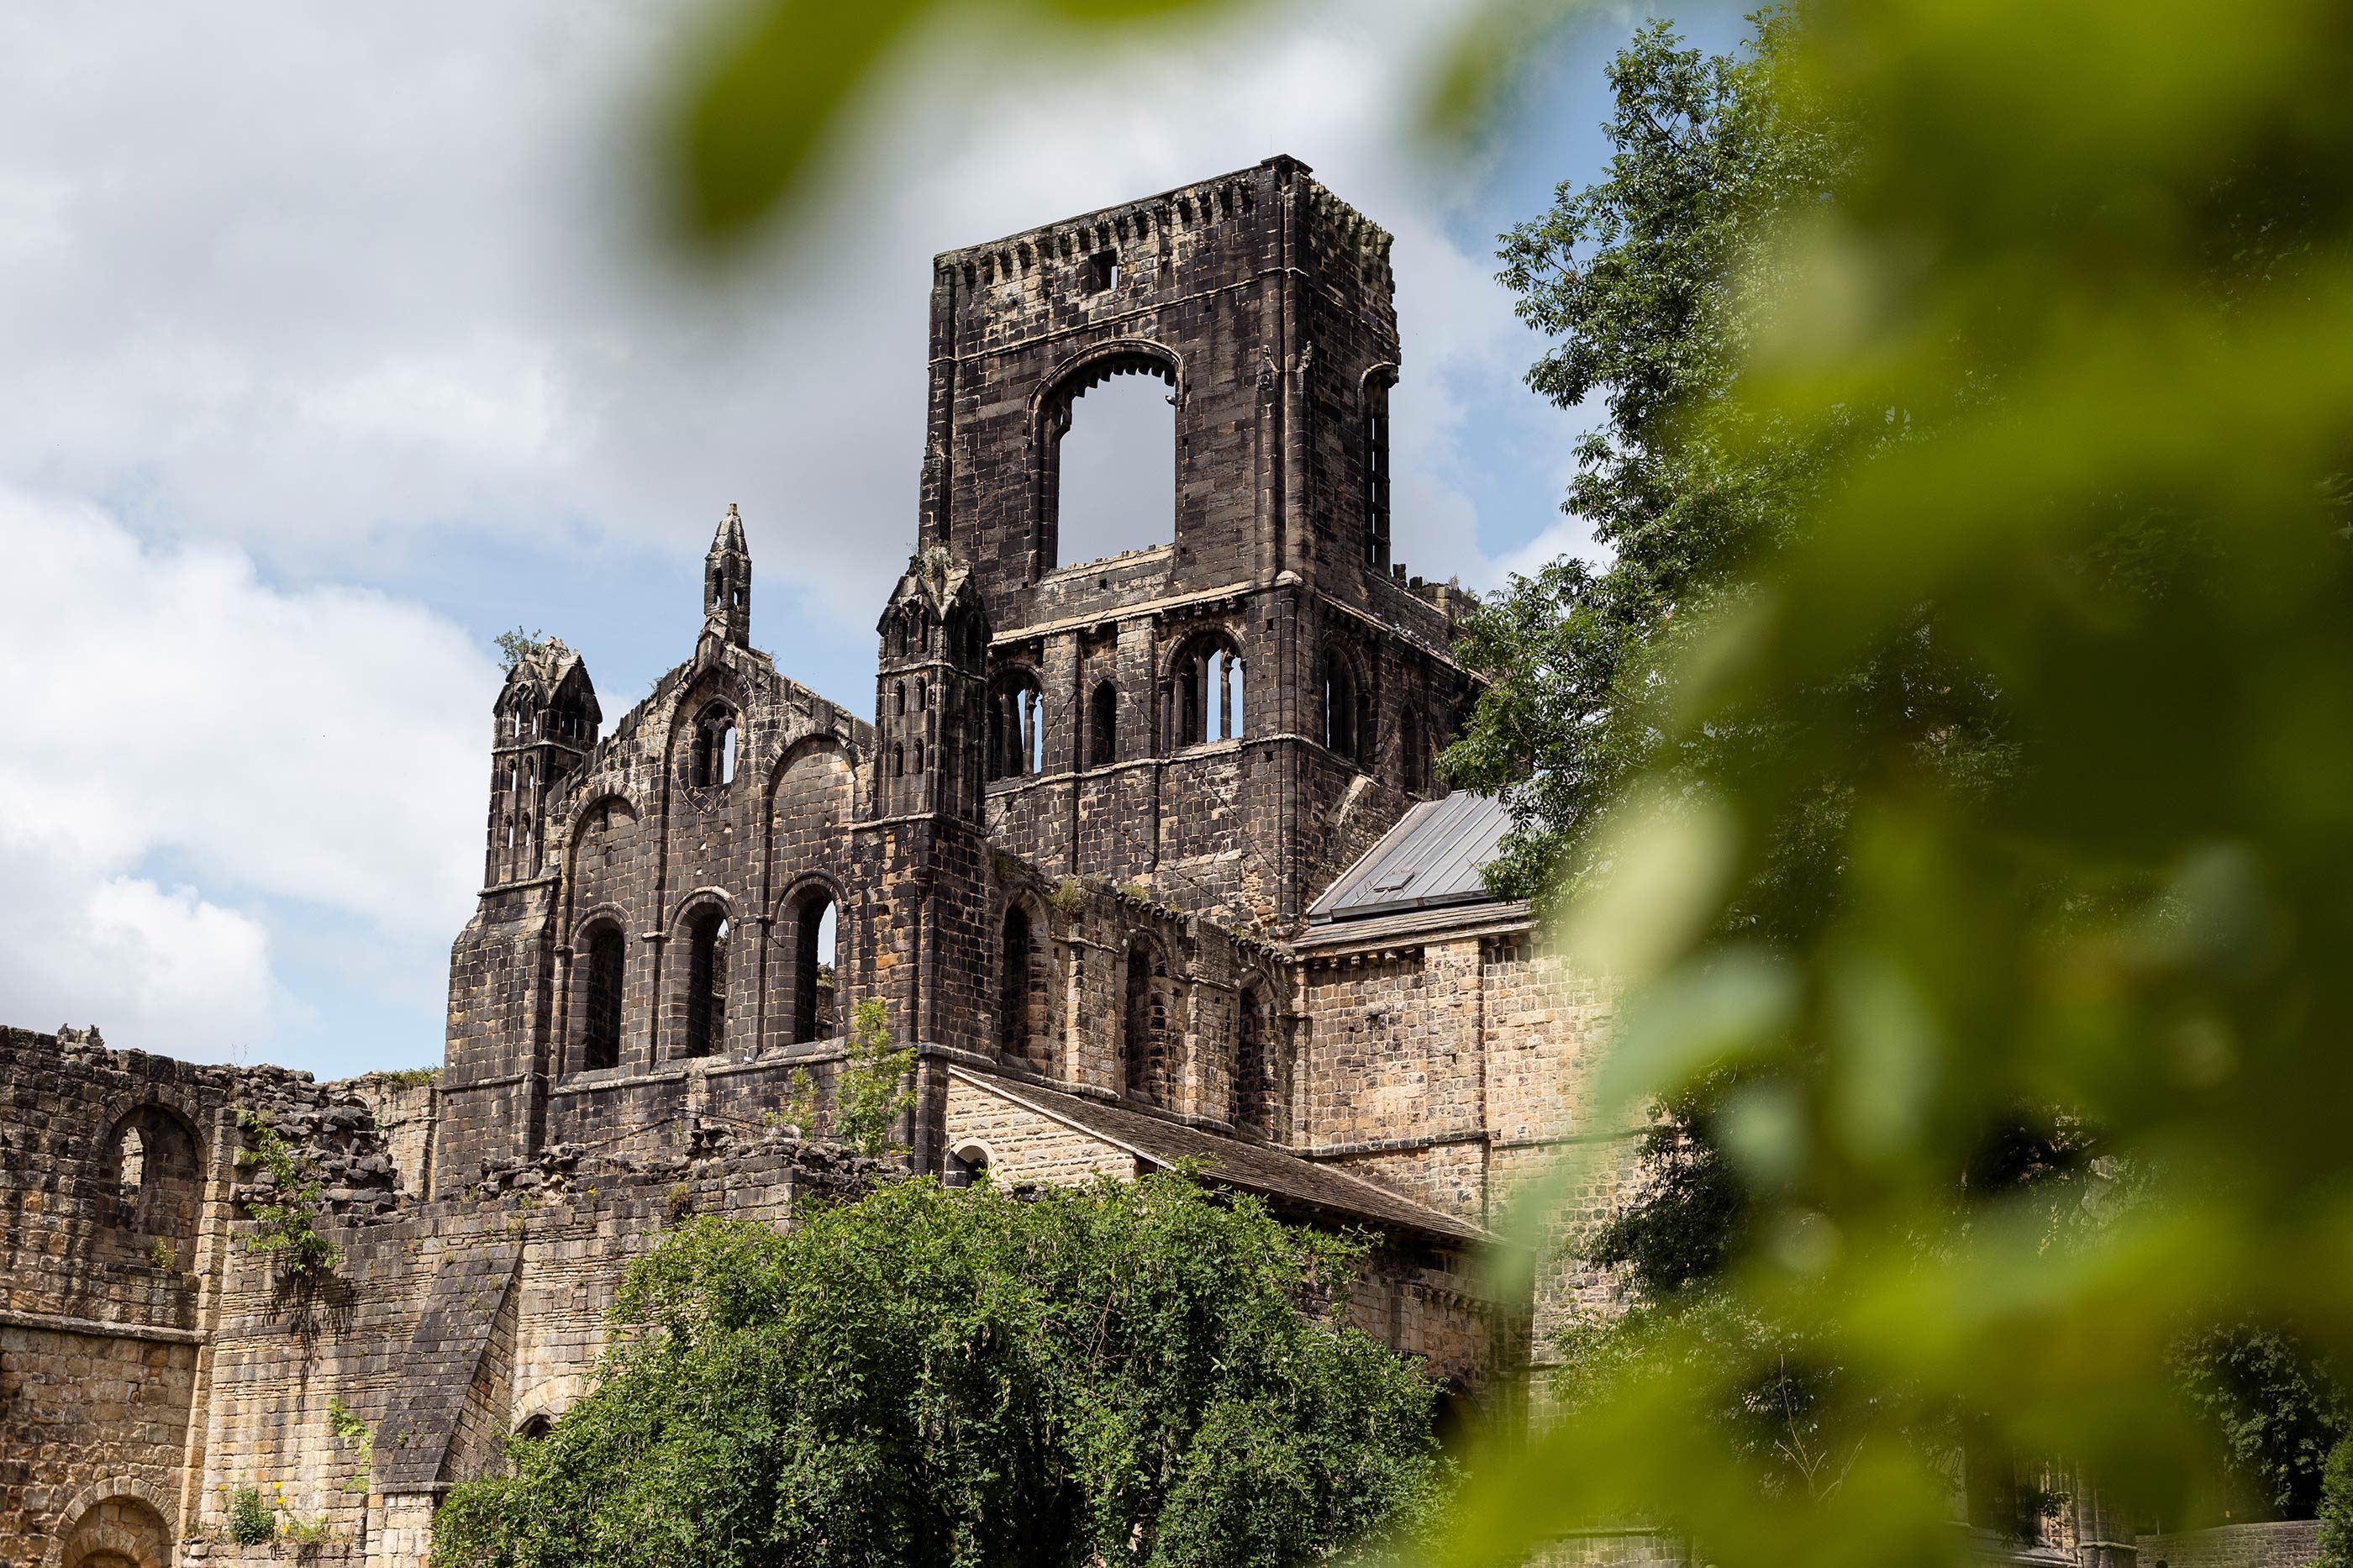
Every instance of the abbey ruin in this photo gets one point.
(1147, 855)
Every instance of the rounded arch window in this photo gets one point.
(1206, 692)
(603, 958)
(1144, 1036)
(1109, 484)
(157, 1186)
(1016, 727)
(708, 935)
(816, 964)
(1103, 725)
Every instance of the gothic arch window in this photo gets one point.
(1016, 727)
(603, 960)
(1206, 692)
(1256, 1090)
(707, 935)
(1103, 725)
(1143, 1035)
(899, 762)
(814, 965)
(535, 1427)
(1346, 716)
(715, 747)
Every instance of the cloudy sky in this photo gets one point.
(336, 342)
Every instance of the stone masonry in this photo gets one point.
(1070, 850)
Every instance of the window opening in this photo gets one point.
(1144, 1052)
(1017, 730)
(965, 1166)
(813, 969)
(1111, 484)
(1343, 707)
(715, 748)
(706, 993)
(1017, 986)
(1102, 726)
(131, 1166)
(600, 1033)
(1208, 695)
(534, 1428)
(1103, 271)
(1253, 1073)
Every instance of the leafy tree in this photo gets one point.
(515, 644)
(1140, 1372)
(1646, 281)
(2073, 327)
(2336, 1507)
(2278, 1412)
(871, 1095)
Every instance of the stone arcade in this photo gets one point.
(1146, 853)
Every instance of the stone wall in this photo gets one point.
(2283, 1543)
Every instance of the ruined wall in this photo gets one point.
(1265, 304)
(447, 1326)
(1454, 1068)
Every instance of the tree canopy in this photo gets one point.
(1145, 1372)
(1986, 817)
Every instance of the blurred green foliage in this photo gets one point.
(2001, 801)
(1132, 1372)
(775, 80)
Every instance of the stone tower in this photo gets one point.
(727, 584)
(1229, 716)
(920, 846)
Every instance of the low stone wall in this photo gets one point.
(2282, 1543)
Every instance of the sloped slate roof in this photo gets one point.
(1285, 1178)
(1433, 856)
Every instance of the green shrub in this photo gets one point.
(250, 1521)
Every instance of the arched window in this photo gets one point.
(967, 1165)
(1375, 459)
(706, 981)
(1019, 988)
(1343, 707)
(715, 747)
(1207, 694)
(814, 930)
(600, 1010)
(1143, 1052)
(1017, 730)
(1102, 726)
(1413, 754)
(899, 762)
(156, 1184)
(1255, 1095)
(1109, 445)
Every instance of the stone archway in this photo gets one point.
(115, 1524)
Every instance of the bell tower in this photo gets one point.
(1227, 717)
(920, 845)
(727, 584)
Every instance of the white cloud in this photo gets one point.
(298, 294)
(315, 280)
(323, 748)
